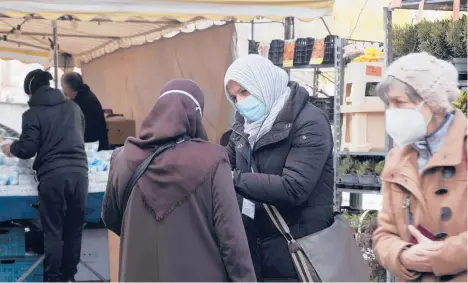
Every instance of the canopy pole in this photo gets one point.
(289, 28)
(252, 29)
(55, 46)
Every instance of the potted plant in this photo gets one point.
(365, 173)
(461, 102)
(347, 171)
(404, 40)
(378, 170)
(352, 220)
(364, 241)
(433, 38)
(443, 39)
(456, 37)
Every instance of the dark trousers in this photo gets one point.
(62, 205)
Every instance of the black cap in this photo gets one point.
(36, 79)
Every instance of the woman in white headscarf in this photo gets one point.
(289, 143)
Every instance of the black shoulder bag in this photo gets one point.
(330, 255)
(140, 170)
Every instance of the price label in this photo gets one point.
(375, 71)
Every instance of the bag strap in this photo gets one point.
(305, 272)
(140, 170)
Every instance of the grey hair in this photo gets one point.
(390, 82)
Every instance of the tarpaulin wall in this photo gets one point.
(129, 81)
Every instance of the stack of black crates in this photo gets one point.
(302, 51)
(326, 104)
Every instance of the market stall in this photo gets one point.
(75, 34)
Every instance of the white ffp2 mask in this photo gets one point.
(406, 126)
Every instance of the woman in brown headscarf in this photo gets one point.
(182, 222)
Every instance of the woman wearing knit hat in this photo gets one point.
(290, 143)
(422, 231)
(52, 131)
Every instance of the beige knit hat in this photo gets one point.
(435, 80)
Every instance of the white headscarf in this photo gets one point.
(267, 82)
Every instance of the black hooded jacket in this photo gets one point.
(96, 127)
(52, 131)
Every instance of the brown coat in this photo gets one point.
(203, 239)
(432, 192)
(182, 221)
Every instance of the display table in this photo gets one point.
(21, 202)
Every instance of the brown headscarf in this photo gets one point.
(170, 179)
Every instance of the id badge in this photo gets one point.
(248, 208)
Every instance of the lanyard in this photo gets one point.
(249, 160)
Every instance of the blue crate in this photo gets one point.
(11, 269)
(94, 207)
(12, 242)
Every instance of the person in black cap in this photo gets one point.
(52, 130)
(96, 127)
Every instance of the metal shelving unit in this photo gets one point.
(356, 153)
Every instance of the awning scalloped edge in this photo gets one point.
(152, 17)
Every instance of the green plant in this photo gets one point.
(444, 39)
(352, 219)
(432, 37)
(456, 37)
(461, 102)
(379, 167)
(365, 168)
(404, 40)
(347, 166)
(364, 241)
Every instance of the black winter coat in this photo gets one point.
(52, 130)
(96, 126)
(295, 165)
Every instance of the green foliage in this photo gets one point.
(424, 31)
(456, 37)
(432, 37)
(404, 40)
(379, 167)
(347, 166)
(461, 102)
(352, 219)
(444, 39)
(364, 241)
(365, 168)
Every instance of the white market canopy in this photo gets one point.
(88, 29)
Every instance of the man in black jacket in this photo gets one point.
(96, 127)
(52, 131)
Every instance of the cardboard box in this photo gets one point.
(114, 250)
(119, 129)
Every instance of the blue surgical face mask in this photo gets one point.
(251, 108)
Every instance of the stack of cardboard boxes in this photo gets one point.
(119, 128)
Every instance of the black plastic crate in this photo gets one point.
(326, 104)
(303, 51)
(253, 47)
(275, 54)
(329, 56)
